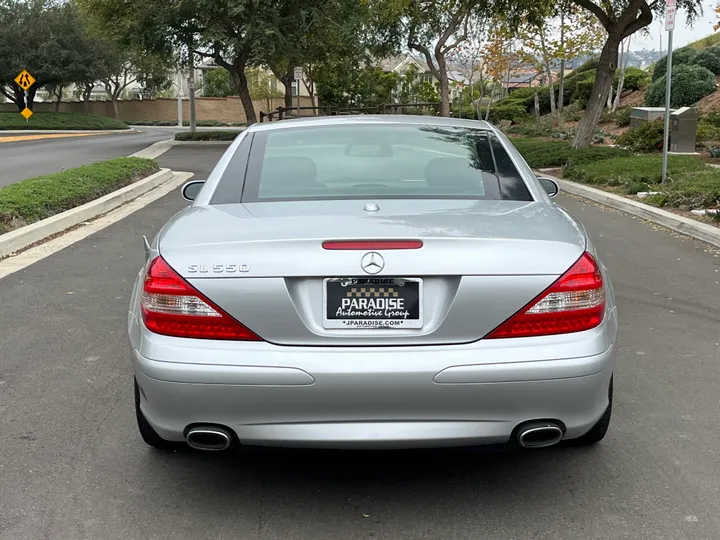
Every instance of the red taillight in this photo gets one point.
(371, 245)
(574, 303)
(172, 307)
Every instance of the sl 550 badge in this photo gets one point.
(218, 269)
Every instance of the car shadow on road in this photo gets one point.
(487, 476)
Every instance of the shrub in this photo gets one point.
(63, 121)
(709, 59)
(635, 79)
(689, 85)
(214, 135)
(622, 117)
(514, 112)
(645, 138)
(38, 198)
(683, 56)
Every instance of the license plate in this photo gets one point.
(371, 303)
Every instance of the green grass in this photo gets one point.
(41, 197)
(61, 121)
(541, 154)
(215, 135)
(622, 171)
(692, 184)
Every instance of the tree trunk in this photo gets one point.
(58, 94)
(30, 97)
(116, 107)
(17, 97)
(86, 98)
(443, 86)
(241, 85)
(603, 82)
(621, 82)
(548, 72)
(561, 82)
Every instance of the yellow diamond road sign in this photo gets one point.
(27, 113)
(25, 80)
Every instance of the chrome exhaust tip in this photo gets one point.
(208, 439)
(539, 435)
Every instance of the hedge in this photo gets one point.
(215, 135)
(59, 121)
(41, 197)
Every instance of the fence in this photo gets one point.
(223, 110)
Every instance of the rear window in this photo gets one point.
(379, 162)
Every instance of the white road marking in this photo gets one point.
(155, 150)
(18, 262)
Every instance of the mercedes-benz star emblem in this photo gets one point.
(372, 263)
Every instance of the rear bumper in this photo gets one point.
(375, 398)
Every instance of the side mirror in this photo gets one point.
(191, 189)
(550, 186)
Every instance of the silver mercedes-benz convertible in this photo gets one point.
(372, 282)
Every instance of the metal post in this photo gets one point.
(297, 85)
(191, 89)
(179, 99)
(668, 88)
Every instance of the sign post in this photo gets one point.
(670, 10)
(298, 79)
(24, 80)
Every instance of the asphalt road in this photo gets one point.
(72, 466)
(25, 159)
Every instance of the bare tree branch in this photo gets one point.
(597, 11)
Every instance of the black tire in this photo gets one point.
(148, 434)
(599, 430)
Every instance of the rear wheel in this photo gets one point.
(599, 430)
(148, 434)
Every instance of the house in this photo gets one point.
(275, 85)
(403, 63)
(526, 78)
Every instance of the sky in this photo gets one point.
(683, 35)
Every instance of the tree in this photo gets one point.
(56, 52)
(621, 19)
(232, 33)
(501, 58)
(217, 83)
(433, 28)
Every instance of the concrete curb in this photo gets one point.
(202, 143)
(681, 224)
(29, 235)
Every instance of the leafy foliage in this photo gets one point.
(217, 83)
(635, 79)
(684, 56)
(709, 59)
(646, 137)
(689, 85)
(214, 135)
(359, 87)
